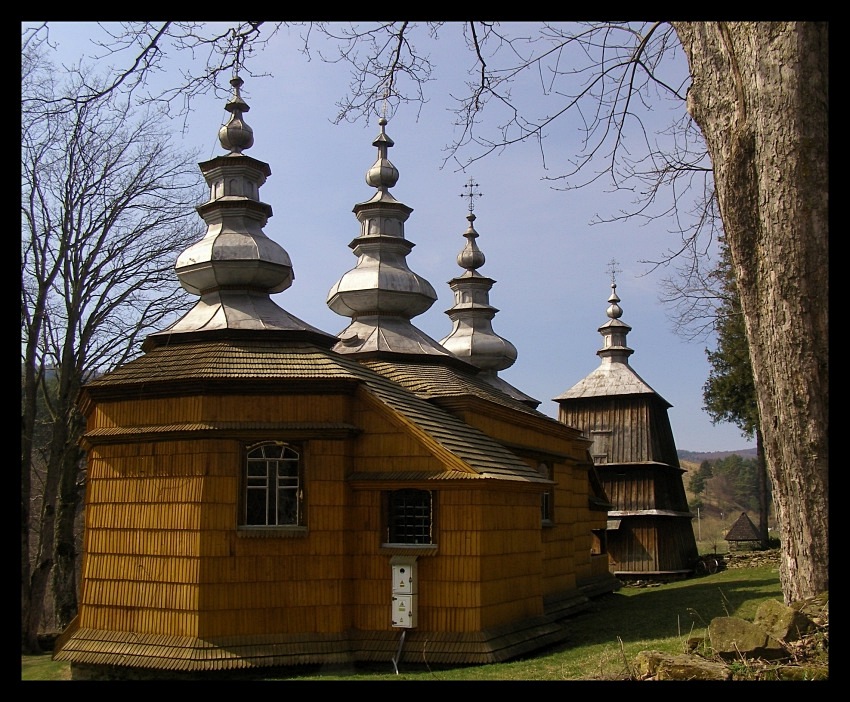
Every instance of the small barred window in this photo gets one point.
(410, 517)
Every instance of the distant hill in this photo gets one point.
(700, 456)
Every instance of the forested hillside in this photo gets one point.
(699, 456)
(719, 489)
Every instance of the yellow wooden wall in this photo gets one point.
(143, 542)
(163, 555)
(156, 411)
(559, 542)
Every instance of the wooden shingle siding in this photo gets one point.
(165, 557)
(450, 595)
(637, 487)
(642, 548)
(639, 426)
(458, 542)
(516, 609)
(211, 409)
(113, 544)
(110, 566)
(638, 466)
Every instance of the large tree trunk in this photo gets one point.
(64, 577)
(760, 96)
(764, 502)
(28, 645)
(39, 584)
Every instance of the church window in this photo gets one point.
(410, 517)
(272, 490)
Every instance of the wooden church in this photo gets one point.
(649, 532)
(262, 493)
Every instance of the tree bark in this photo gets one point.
(28, 645)
(760, 96)
(764, 502)
(64, 582)
(39, 583)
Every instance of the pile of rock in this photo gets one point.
(781, 643)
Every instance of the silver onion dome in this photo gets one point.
(235, 267)
(236, 135)
(472, 337)
(381, 294)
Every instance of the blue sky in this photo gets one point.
(550, 264)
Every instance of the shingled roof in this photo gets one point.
(614, 376)
(743, 530)
(261, 364)
(434, 381)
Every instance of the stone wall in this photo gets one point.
(751, 559)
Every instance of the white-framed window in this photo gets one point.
(272, 486)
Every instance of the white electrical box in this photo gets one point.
(404, 591)
(404, 611)
(404, 578)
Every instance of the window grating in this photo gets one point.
(410, 517)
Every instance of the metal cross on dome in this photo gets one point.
(385, 100)
(470, 185)
(613, 269)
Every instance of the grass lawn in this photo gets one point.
(603, 641)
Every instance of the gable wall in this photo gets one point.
(487, 564)
(385, 445)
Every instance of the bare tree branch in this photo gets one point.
(107, 205)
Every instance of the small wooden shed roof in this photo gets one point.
(743, 530)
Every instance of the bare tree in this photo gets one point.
(754, 127)
(107, 205)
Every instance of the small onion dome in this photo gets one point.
(383, 174)
(236, 135)
(471, 257)
(614, 311)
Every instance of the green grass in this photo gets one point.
(43, 667)
(603, 641)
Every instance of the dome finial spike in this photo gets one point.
(383, 175)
